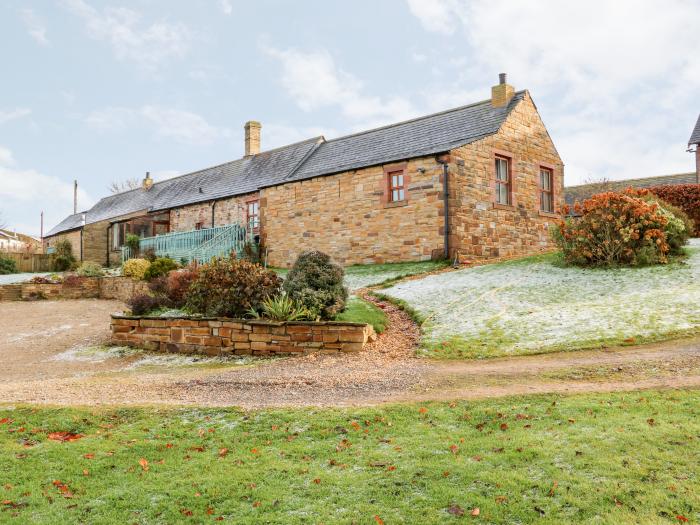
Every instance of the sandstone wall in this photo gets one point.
(479, 227)
(237, 336)
(226, 211)
(73, 237)
(348, 216)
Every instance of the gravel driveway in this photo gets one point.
(52, 353)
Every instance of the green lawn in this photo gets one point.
(605, 459)
(537, 305)
(360, 311)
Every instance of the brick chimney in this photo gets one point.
(252, 138)
(147, 183)
(501, 93)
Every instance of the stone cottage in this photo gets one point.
(479, 181)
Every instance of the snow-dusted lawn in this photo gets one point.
(532, 306)
(15, 278)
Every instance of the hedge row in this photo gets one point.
(685, 196)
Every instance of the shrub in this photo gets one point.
(254, 252)
(90, 269)
(227, 287)
(64, 259)
(161, 267)
(283, 308)
(73, 281)
(135, 268)
(614, 229)
(149, 254)
(133, 242)
(7, 266)
(316, 282)
(142, 304)
(679, 227)
(684, 196)
(178, 285)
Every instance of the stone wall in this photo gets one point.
(81, 288)
(226, 211)
(119, 288)
(482, 229)
(348, 216)
(73, 237)
(221, 336)
(95, 247)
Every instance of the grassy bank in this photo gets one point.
(360, 311)
(537, 305)
(621, 458)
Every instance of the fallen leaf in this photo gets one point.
(651, 421)
(504, 426)
(63, 488)
(168, 445)
(455, 510)
(476, 511)
(454, 449)
(186, 512)
(446, 474)
(86, 472)
(5, 421)
(144, 464)
(681, 518)
(256, 504)
(553, 488)
(89, 456)
(223, 452)
(422, 410)
(379, 520)
(64, 436)
(209, 511)
(254, 451)
(501, 499)
(317, 481)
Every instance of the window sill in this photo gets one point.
(508, 207)
(549, 214)
(397, 204)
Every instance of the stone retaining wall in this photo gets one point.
(222, 336)
(120, 288)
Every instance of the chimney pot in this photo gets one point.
(252, 137)
(502, 92)
(148, 181)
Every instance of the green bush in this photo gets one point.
(316, 282)
(135, 268)
(161, 267)
(133, 242)
(63, 259)
(7, 265)
(679, 227)
(228, 287)
(90, 269)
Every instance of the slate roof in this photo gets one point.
(584, 191)
(71, 222)
(695, 135)
(427, 135)
(314, 157)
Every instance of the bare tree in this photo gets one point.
(125, 185)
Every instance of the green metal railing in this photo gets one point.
(196, 245)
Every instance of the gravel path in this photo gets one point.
(44, 362)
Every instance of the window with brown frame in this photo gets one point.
(546, 190)
(253, 215)
(503, 180)
(397, 186)
(198, 225)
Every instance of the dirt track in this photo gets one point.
(39, 335)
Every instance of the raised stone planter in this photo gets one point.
(223, 336)
(121, 288)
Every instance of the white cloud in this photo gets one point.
(24, 189)
(182, 126)
(617, 82)
(314, 81)
(226, 6)
(35, 26)
(143, 43)
(436, 15)
(13, 114)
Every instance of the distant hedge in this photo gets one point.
(685, 196)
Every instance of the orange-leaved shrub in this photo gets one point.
(684, 196)
(614, 229)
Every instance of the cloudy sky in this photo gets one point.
(106, 90)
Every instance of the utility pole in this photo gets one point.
(75, 197)
(42, 226)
